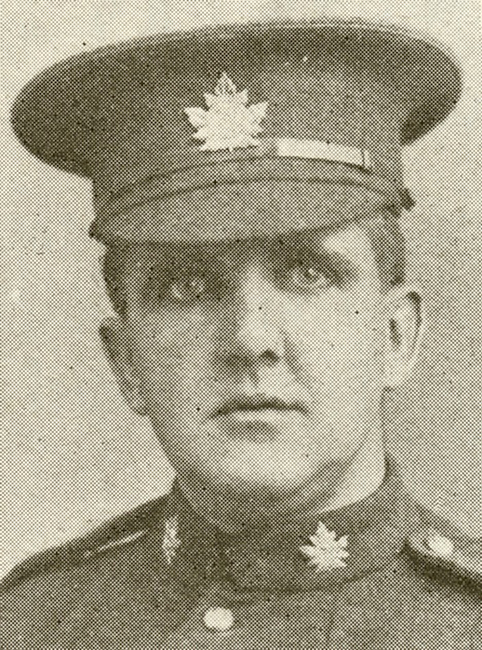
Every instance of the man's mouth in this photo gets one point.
(258, 403)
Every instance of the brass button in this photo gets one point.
(440, 545)
(218, 619)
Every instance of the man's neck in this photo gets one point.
(328, 491)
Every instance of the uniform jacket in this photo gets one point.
(147, 579)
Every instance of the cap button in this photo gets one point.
(218, 619)
(440, 545)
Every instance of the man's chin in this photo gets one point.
(242, 478)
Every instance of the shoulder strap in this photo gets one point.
(117, 531)
(463, 559)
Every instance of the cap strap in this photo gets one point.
(318, 150)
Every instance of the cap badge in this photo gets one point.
(171, 541)
(325, 551)
(229, 122)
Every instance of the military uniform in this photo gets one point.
(385, 575)
(160, 126)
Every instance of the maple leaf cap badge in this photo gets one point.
(326, 552)
(229, 122)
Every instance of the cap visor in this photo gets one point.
(242, 211)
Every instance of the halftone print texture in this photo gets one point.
(245, 412)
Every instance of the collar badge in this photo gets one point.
(326, 552)
(229, 122)
(171, 541)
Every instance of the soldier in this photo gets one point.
(247, 185)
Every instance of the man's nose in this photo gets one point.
(251, 330)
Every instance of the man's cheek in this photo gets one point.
(340, 351)
(166, 358)
(166, 328)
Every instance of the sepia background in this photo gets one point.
(71, 453)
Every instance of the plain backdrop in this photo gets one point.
(71, 453)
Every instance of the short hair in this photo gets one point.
(384, 232)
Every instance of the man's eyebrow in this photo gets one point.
(225, 255)
(211, 255)
(301, 246)
(169, 257)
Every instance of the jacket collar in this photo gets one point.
(352, 541)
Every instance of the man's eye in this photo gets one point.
(307, 275)
(187, 289)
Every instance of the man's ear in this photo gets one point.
(404, 327)
(118, 352)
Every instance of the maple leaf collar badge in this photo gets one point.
(171, 541)
(229, 122)
(326, 552)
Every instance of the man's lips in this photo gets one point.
(258, 403)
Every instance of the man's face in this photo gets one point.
(259, 363)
